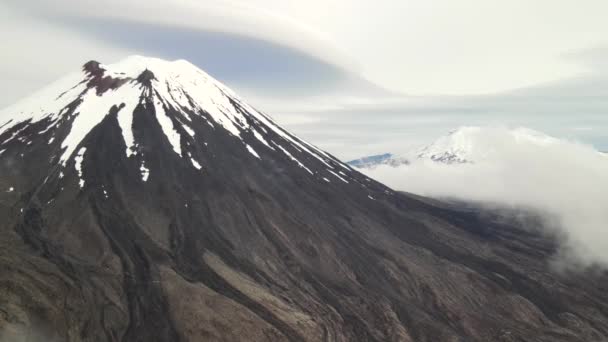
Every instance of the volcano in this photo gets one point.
(146, 201)
(464, 145)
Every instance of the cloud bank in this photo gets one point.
(566, 179)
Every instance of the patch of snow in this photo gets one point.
(327, 180)
(15, 134)
(129, 95)
(252, 151)
(145, 172)
(335, 174)
(53, 124)
(78, 165)
(188, 130)
(261, 138)
(294, 159)
(195, 164)
(94, 108)
(167, 126)
(370, 197)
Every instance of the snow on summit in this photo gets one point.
(80, 101)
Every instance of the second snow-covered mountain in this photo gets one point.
(465, 145)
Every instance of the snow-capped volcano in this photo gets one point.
(472, 144)
(145, 201)
(183, 99)
(468, 144)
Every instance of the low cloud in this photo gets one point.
(565, 179)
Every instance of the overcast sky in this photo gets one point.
(352, 76)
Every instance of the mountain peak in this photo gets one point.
(93, 68)
(146, 77)
(133, 66)
(470, 144)
(463, 145)
(186, 103)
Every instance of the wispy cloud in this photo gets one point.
(237, 17)
(430, 47)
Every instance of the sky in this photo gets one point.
(354, 77)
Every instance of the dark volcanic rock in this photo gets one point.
(146, 78)
(180, 213)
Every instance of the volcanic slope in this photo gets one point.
(145, 201)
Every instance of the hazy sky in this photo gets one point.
(352, 76)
